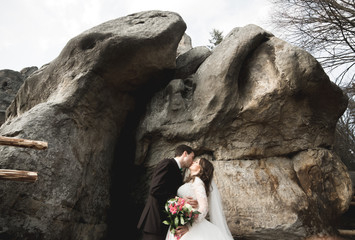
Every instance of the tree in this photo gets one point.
(344, 144)
(216, 38)
(323, 27)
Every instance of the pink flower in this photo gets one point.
(173, 209)
(181, 202)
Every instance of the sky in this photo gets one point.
(33, 32)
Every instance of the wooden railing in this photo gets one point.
(20, 175)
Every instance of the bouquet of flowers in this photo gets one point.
(179, 213)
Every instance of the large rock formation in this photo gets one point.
(270, 98)
(262, 110)
(284, 197)
(10, 82)
(79, 103)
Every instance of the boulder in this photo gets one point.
(265, 113)
(188, 63)
(10, 82)
(270, 97)
(26, 72)
(79, 104)
(185, 44)
(284, 197)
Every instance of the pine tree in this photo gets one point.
(216, 38)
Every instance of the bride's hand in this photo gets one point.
(181, 230)
(192, 202)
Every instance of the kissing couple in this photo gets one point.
(198, 190)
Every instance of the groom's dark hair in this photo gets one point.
(181, 149)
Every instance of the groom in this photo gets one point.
(167, 178)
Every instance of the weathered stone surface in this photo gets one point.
(269, 97)
(325, 180)
(284, 197)
(188, 63)
(10, 82)
(26, 72)
(185, 44)
(79, 103)
(261, 198)
(259, 108)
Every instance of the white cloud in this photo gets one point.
(34, 32)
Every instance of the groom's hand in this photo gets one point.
(181, 230)
(192, 202)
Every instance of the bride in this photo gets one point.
(200, 186)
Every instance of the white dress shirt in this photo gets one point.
(178, 163)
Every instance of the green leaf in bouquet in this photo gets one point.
(166, 222)
(176, 222)
(182, 221)
(166, 207)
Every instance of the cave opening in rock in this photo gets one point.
(130, 182)
(125, 176)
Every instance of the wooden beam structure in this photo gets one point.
(346, 232)
(18, 175)
(19, 142)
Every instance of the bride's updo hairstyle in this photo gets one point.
(205, 174)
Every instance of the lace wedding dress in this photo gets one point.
(202, 229)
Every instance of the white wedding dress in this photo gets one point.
(202, 229)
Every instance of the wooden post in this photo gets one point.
(18, 142)
(18, 175)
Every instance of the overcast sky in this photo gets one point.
(33, 32)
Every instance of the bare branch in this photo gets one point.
(323, 27)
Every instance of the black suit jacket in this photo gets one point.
(166, 180)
